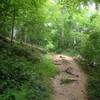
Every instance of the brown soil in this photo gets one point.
(69, 70)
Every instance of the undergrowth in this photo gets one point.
(93, 86)
(23, 75)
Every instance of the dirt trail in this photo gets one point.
(69, 70)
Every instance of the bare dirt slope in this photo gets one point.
(70, 83)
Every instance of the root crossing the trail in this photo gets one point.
(70, 83)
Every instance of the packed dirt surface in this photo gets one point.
(70, 83)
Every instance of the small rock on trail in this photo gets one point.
(69, 69)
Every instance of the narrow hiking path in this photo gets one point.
(70, 83)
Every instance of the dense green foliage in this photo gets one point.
(55, 25)
(22, 78)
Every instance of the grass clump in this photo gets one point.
(46, 67)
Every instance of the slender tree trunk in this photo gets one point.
(25, 40)
(97, 6)
(62, 33)
(13, 25)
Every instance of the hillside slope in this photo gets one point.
(23, 75)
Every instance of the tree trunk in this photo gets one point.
(62, 33)
(97, 6)
(13, 25)
(25, 40)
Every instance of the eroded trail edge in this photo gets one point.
(70, 83)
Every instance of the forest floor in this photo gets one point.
(70, 83)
